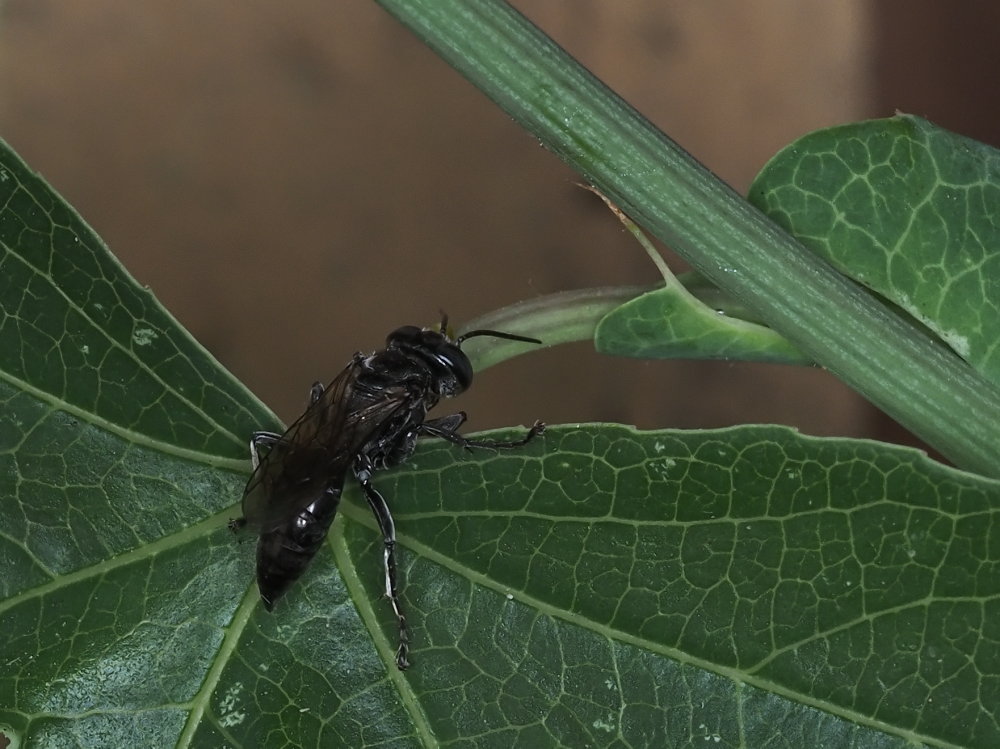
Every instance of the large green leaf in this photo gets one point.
(907, 209)
(742, 585)
(601, 587)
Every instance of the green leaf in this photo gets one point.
(78, 334)
(621, 582)
(658, 587)
(673, 323)
(688, 317)
(909, 210)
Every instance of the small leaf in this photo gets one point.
(673, 323)
(687, 318)
(908, 210)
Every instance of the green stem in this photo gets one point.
(553, 319)
(837, 323)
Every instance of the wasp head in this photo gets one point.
(450, 368)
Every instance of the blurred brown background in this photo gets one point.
(294, 180)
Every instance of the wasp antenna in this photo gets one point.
(496, 334)
(444, 322)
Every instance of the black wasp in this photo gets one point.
(368, 418)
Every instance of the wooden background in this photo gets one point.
(294, 180)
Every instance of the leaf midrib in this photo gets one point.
(201, 701)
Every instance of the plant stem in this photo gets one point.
(555, 318)
(839, 324)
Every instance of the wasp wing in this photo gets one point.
(317, 450)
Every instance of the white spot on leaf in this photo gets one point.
(605, 725)
(229, 713)
(959, 343)
(144, 336)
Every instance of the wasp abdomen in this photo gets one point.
(284, 552)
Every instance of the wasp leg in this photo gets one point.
(376, 501)
(237, 524)
(446, 428)
(268, 439)
(258, 440)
